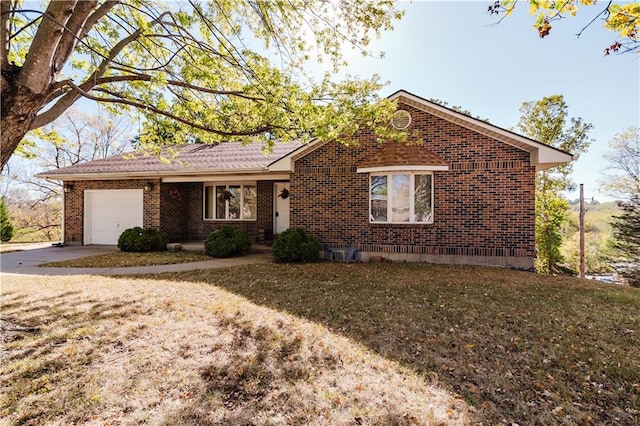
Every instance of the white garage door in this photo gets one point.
(109, 212)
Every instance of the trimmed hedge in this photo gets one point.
(142, 240)
(227, 241)
(295, 245)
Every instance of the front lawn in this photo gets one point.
(96, 350)
(364, 345)
(520, 347)
(125, 259)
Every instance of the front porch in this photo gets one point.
(190, 211)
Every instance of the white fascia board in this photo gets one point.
(286, 163)
(227, 177)
(282, 165)
(402, 169)
(145, 175)
(548, 158)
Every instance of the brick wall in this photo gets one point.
(74, 204)
(174, 208)
(483, 205)
(179, 216)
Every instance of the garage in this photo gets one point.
(109, 212)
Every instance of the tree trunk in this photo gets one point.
(19, 108)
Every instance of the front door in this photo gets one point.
(281, 214)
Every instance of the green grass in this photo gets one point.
(520, 347)
(124, 259)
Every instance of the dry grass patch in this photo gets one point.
(97, 350)
(523, 348)
(126, 259)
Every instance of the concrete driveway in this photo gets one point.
(26, 262)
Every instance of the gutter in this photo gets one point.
(145, 175)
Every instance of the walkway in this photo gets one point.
(26, 262)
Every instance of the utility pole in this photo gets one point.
(581, 216)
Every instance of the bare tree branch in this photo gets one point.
(603, 12)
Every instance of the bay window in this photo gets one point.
(230, 201)
(402, 197)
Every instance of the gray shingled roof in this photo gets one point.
(228, 156)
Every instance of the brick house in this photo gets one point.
(465, 195)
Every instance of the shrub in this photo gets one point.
(227, 241)
(142, 240)
(295, 245)
(6, 229)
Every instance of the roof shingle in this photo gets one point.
(191, 158)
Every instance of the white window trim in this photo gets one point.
(412, 174)
(226, 207)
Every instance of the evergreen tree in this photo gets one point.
(623, 180)
(6, 229)
(626, 230)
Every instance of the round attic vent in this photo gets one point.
(401, 119)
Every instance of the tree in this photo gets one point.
(624, 161)
(623, 174)
(597, 235)
(6, 229)
(196, 65)
(547, 122)
(35, 204)
(623, 19)
(626, 231)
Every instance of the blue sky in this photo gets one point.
(450, 50)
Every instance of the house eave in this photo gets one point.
(149, 175)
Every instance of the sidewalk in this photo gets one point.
(26, 262)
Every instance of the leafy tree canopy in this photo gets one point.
(195, 70)
(623, 19)
(623, 158)
(547, 121)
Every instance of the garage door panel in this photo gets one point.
(109, 212)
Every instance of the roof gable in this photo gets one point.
(542, 156)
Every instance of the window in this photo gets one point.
(401, 197)
(230, 202)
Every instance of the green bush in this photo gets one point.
(227, 241)
(142, 240)
(295, 245)
(6, 229)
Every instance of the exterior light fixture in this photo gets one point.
(68, 188)
(148, 186)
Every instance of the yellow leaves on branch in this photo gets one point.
(623, 19)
